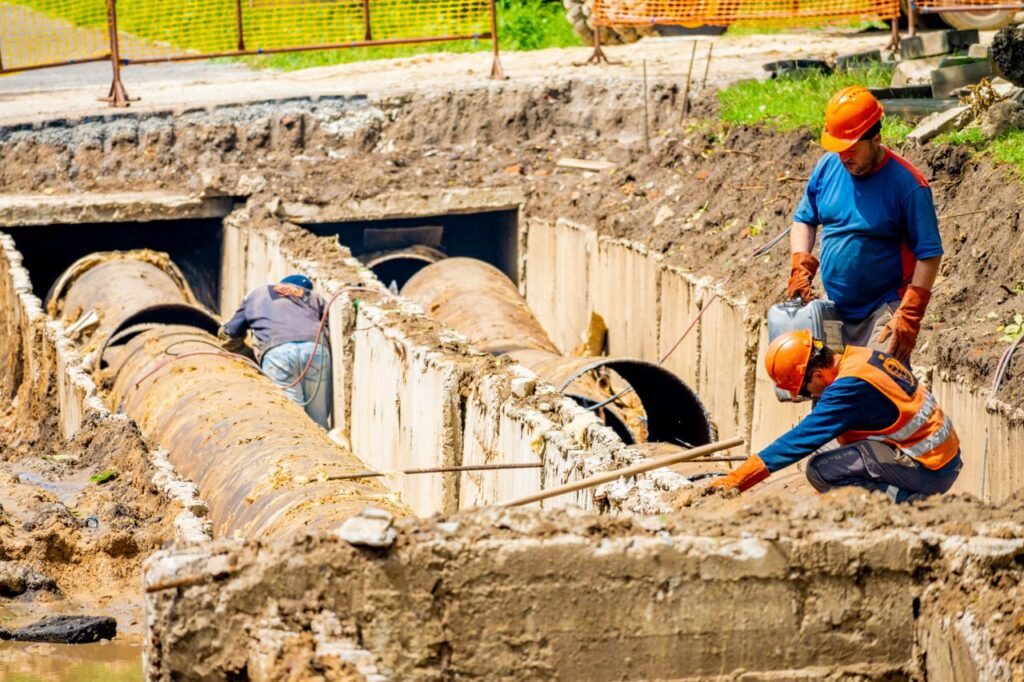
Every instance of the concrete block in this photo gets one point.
(679, 307)
(856, 59)
(914, 72)
(946, 80)
(903, 92)
(771, 418)
(916, 108)
(978, 50)
(939, 123)
(728, 342)
(631, 312)
(936, 43)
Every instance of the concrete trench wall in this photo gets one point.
(721, 357)
(519, 594)
(40, 354)
(408, 394)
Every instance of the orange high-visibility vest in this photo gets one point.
(922, 430)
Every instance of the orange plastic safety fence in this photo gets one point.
(725, 12)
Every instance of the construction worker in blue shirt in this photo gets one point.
(892, 435)
(880, 244)
(285, 319)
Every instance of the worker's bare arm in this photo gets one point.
(801, 237)
(925, 272)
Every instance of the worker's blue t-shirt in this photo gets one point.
(873, 227)
(848, 404)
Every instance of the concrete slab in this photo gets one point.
(936, 43)
(941, 122)
(914, 72)
(413, 204)
(624, 290)
(54, 209)
(948, 79)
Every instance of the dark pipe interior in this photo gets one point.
(398, 270)
(489, 236)
(194, 245)
(167, 314)
(609, 417)
(674, 412)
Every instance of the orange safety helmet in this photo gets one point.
(787, 358)
(849, 114)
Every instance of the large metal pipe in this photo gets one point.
(258, 460)
(479, 301)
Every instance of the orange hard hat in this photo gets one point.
(787, 358)
(849, 114)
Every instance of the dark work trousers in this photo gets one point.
(879, 466)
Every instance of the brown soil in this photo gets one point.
(89, 538)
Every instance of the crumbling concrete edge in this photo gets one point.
(79, 400)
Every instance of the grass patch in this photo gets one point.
(1008, 148)
(792, 102)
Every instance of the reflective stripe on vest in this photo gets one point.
(921, 431)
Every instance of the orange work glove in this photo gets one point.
(803, 267)
(905, 324)
(743, 477)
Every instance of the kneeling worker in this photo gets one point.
(285, 319)
(893, 436)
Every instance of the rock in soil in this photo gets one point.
(65, 630)
(1007, 55)
(1002, 117)
(16, 579)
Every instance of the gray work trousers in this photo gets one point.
(875, 465)
(865, 332)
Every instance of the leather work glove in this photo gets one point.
(235, 345)
(905, 324)
(743, 477)
(803, 267)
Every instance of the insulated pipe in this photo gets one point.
(479, 301)
(258, 460)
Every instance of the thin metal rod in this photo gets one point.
(238, 23)
(967, 8)
(307, 48)
(686, 92)
(610, 476)
(367, 30)
(497, 71)
(117, 97)
(53, 65)
(707, 66)
(439, 470)
(647, 116)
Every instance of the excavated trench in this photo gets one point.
(488, 356)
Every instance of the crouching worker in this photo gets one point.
(284, 319)
(893, 436)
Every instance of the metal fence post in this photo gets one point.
(497, 72)
(368, 32)
(239, 25)
(117, 96)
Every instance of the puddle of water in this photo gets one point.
(67, 490)
(105, 662)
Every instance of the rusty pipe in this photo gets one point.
(479, 301)
(258, 460)
(101, 294)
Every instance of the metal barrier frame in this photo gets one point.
(118, 95)
(915, 10)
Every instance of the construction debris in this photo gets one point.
(941, 122)
(1007, 54)
(936, 43)
(1001, 118)
(583, 164)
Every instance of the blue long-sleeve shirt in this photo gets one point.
(848, 404)
(873, 228)
(277, 316)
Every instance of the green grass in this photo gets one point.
(792, 102)
(797, 102)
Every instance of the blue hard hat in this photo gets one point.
(298, 280)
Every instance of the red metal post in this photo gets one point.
(497, 72)
(368, 31)
(117, 96)
(240, 26)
